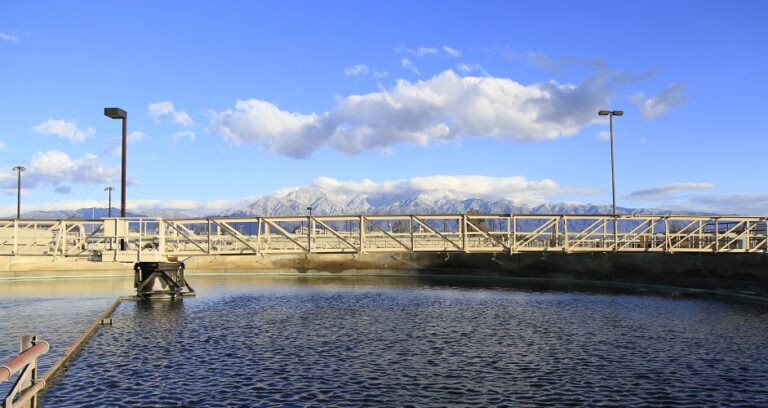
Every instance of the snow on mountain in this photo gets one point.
(328, 202)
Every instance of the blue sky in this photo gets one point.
(231, 100)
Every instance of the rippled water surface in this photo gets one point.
(359, 341)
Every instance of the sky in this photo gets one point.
(228, 101)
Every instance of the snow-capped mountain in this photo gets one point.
(326, 202)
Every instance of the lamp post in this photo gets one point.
(117, 113)
(611, 114)
(18, 169)
(109, 207)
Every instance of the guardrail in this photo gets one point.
(27, 385)
(154, 239)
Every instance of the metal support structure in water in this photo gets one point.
(161, 280)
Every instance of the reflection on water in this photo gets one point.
(353, 341)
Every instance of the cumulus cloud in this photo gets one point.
(440, 109)
(655, 106)
(8, 37)
(357, 70)
(666, 190)
(63, 189)
(165, 109)
(66, 129)
(407, 64)
(451, 52)
(55, 167)
(516, 188)
(183, 134)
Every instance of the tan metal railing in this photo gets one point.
(150, 239)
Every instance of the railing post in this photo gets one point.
(311, 225)
(258, 237)
(361, 250)
(15, 237)
(464, 233)
(566, 245)
(208, 236)
(410, 228)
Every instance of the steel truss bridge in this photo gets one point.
(157, 238)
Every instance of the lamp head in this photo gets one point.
(604, 113)
(617, 113)
(115, 113)
(19, 168)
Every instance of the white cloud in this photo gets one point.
(452, 52)
(357, 70)
(468, 68)
(424, 51)
(65, 129)
(380, 74)
(549, 63)
(666, 191)
(653, 107)
(55, 167)
(516, 188)
(8, 37)
(3, 146)
(746, 204)
(63, 189)
(440, 109)
(604, 135)
(407, 64)
(183, 134)
(136, 136)
(166, 109)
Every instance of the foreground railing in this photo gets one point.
(27, 385)
(153, 238)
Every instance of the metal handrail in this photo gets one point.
(27, 384)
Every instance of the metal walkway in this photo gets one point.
(156, 238)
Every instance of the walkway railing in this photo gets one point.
(150, 239)
(27, 385)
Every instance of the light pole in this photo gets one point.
(611, 114)
(19, 169)
(117, 113)
(109, 207)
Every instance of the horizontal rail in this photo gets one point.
(22, 360)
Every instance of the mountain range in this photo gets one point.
(329, 202)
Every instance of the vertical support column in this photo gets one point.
(15, 237)
(464, 233)
(258, 238)
(566, 244)
(208, 235)
(410, 228)
(311, 225)
(509, 233)
(161, 227)
(514, 233)
(667, 240)
(28, 377)
(361, 250)
(64, 238)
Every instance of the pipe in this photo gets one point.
(21, 361)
